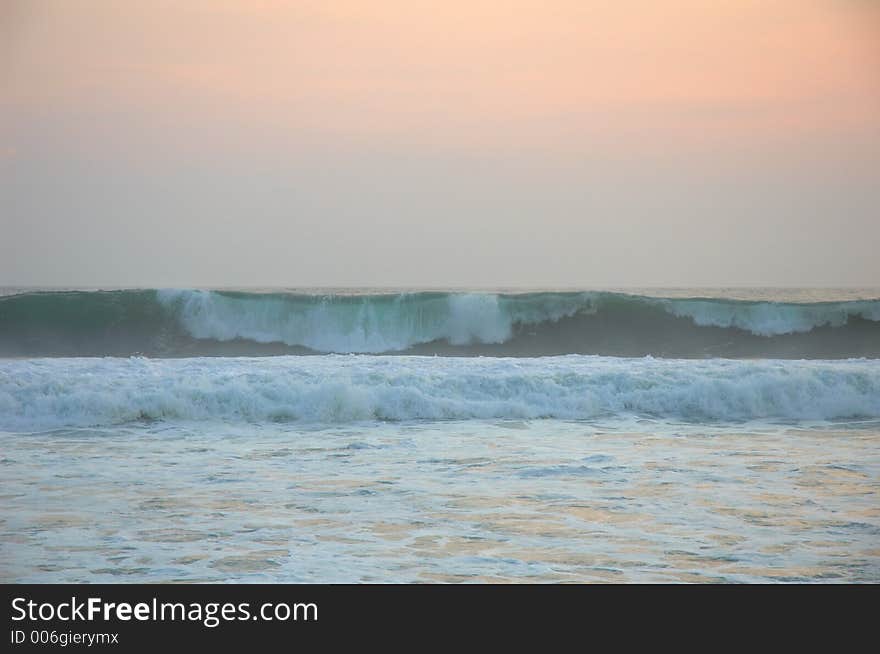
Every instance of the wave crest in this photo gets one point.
(198, 322)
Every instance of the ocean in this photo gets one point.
(436, 435)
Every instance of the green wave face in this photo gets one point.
(201, 322)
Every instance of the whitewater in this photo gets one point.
(52, 393)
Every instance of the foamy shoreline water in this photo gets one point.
(471, 501)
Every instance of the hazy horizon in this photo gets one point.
(560, 144)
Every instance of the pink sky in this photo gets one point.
(147, 84)
(458, 73)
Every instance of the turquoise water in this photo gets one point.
(198, 322)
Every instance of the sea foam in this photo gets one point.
(48, 393)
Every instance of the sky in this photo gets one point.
(532, 143)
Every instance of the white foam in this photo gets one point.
(48, 393)
(770, 318)
(365, 324)
(377, 323)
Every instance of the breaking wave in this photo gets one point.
(202, 322)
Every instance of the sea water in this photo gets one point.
(420, 468)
